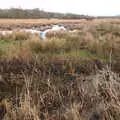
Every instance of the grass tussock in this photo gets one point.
(16, 35)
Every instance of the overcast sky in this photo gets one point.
(87, 7)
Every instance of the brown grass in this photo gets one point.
(54, 21)
(18, 23)
(43, 80)
(32, 21)
(94, 97)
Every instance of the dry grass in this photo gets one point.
(32, 21)
(16, 35)
(93, 97)
(12, 23)
(28, 23)
(50, 21)
(57, 79)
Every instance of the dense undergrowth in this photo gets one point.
(70, 76)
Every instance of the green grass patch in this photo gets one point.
(73, 53)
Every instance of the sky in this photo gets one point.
(86, 7)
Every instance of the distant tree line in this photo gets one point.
(36, 13)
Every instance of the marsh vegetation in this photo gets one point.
(69, 76)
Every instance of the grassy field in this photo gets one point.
(47, 21)
(9, 24)
(69, 76)
(32, 21)
(29, 23)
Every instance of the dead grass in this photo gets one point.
(16, 35)
(28, 23)
(37, 21)
(93, 97)
(42, 80)
(47, 21)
